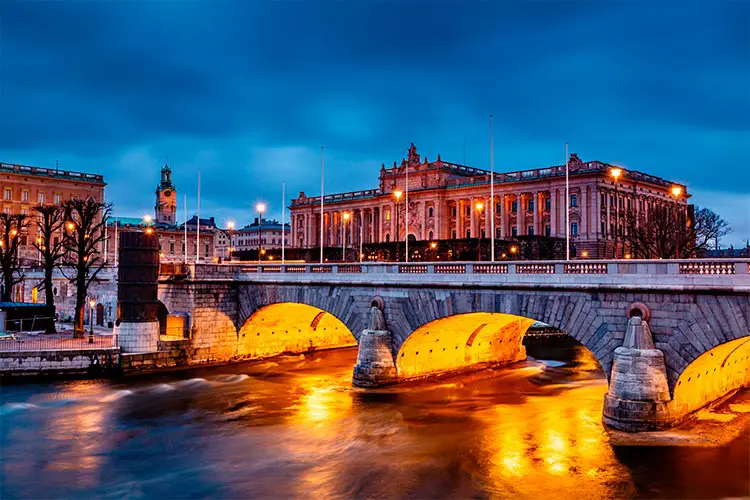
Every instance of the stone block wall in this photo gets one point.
(96, 362)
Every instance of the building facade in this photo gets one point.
(173, 236)
(449, 201)
(270, 232)
(25, 187)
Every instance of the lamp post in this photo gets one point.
(344, 219)
(433, 246)
(397, 194)
(260, 207)
(230, 226)
(616, 173)
(676, 192)
(39, 242)
(479, 206)
(92, 304)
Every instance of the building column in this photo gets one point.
(553, 213)
(535, 197)
(520, 215)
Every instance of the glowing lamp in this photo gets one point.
(347, 215)
(627, 255)
(479, 205)
(513, 249)
(433, 245)
(615, 173)
(70, 226)
(397, 194)
(13, 232)
(585, 254)
(149, 230)
(260, 207)
(676, 191)
(230, 225)
(147, 219)
(92, 303)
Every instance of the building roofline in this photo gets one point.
(54, 173)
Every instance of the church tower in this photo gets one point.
(166, 198)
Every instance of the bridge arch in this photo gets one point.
(460, 341)
(288, 327)
(713, 374)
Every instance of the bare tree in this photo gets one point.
(12, 227)
(668, 231)
(51, 219)
(85, 222)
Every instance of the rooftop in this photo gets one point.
(52, 173)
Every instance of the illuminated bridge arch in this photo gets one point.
(288, 327)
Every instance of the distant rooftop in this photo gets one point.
(267, 224)
(52, 173)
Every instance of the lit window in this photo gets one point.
(387, 215)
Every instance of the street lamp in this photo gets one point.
(479, 206)
(92, 304)
(344, 220)
(676, 192)
(397, 194)
(230, 226)
(433, 246)
(260, 207)
(514, 250)
(616, 173)
(39, 241)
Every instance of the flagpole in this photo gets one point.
(283, 235)
(406, 209)
(491, 210)
(322, 178)
(198, 227)
(185, 246)
(567, 206)
(116, 242)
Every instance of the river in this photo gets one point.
(295, 427)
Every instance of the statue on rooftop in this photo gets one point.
(413, 158)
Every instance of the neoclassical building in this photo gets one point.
(452, 201)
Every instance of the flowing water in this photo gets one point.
(295, 427)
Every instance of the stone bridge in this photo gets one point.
(671, 336)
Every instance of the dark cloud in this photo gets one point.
(248, 91)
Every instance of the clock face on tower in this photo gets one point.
(167, 193)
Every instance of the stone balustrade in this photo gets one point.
(726, 274)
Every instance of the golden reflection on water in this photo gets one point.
(558, 438)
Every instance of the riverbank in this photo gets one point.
(714, 426)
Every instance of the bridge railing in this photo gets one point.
(724, 271)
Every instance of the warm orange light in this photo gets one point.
(627, 256)
(479, 205)
(13, 232)
(676, 191)
(347, 215)
(615, 173)
(149, 230)
(161, 255)
(585, 254)
(147, 219)
(263, 252)
(397, 194)
(70, 226)
(39, 240)
(216, 260)
(504, 255)
(270, 257)
(92, 303)
(433, 245)
(230, 225)
(2, 243)
(513, 249)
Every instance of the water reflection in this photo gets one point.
(295, 427)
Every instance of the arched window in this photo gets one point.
(430, 213)
(430, 237)
(387, 237)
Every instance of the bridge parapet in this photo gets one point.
(724, 275)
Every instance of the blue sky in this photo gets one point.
(248, 92)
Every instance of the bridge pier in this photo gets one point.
(638, 397)
(375, 365)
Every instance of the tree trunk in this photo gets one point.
(79, 328)
(49, 297)
(7, 286)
